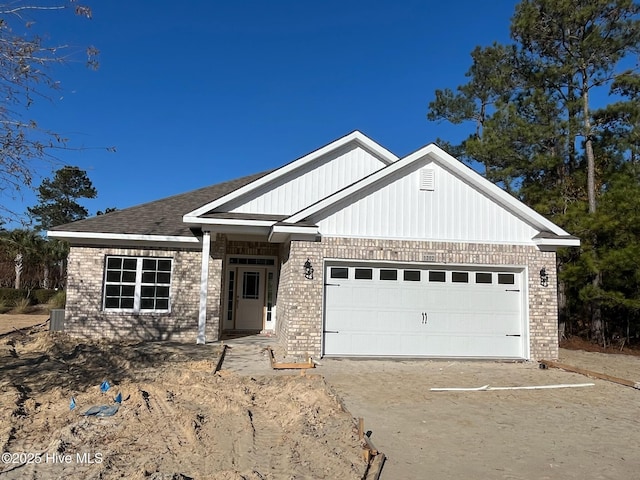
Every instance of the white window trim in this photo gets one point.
(137, 289)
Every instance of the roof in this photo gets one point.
(175, 218)
(161, 217)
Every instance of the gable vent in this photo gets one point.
(428, 179)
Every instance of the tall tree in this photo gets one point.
(59, 198)
(541, 138)
(27, 75)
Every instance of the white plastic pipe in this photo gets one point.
(486, 388)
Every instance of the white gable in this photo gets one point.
(314, 181)
(399, 207)
(303, 182)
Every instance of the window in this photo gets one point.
(339, 272)
(506, 278)
(230, 294)
(251, 261)
(364, 273)
(388, 274)
(137, 284)
(437, 276)
(412, 275)
(251, 285)
(460, 277)
(483, 277)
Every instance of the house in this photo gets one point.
(346, 251)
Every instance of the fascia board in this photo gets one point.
(227, 221)
(119, 236)
(280, 233)
(557, 242)
(294, 229)
(356, 136)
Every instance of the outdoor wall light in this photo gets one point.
(308, 270)
(544, 277)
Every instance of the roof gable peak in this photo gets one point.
(318, 156)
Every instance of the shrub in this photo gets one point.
(9, 296)
(42, 295)
(58, 300)
(22, 305)
(4, 308)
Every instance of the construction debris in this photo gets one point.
(281, 366)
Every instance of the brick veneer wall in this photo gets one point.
(84, 315)
(300, 300)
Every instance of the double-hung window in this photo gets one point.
(137, 284)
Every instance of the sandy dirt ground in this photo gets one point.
(11, 322)
(177, 420)
(572, 433)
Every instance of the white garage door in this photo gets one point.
(416, 311)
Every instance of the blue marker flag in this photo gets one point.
(118, 398)
(104, 386)
(72, 403)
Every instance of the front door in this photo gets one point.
(250, 298)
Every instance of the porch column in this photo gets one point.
(204, 284)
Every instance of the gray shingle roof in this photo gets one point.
(160, 217)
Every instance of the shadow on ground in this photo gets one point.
(41, 361)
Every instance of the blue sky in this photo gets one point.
(196, 93)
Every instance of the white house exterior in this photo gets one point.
(347, 251)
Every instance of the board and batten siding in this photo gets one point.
(310, 183)
(452, 211)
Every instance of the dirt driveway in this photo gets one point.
(590, 432)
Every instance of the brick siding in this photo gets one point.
(300, 300)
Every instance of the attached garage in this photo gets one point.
(417, 310)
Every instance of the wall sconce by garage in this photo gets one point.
(544, 277)
(308, 270)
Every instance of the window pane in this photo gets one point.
(251, 285)
(126, 303)
(111, 302)
(164, 265)
(112, 291)
(437, 276)
(388, 274)
(147, 292)
(148, 264)
(460, 277)
(114, 263)
(164, 277)
(339, 272)
(113, 276)
(129, 277)
(364, 273)
(148, 277)
(128, 290)
(506, 278)
(162, 292)
(162, 304)
(147, 304)
(483, 278)
(412, 275)
(129, 264)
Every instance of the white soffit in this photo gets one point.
(356, 137)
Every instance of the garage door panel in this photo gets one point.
(380, 317)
